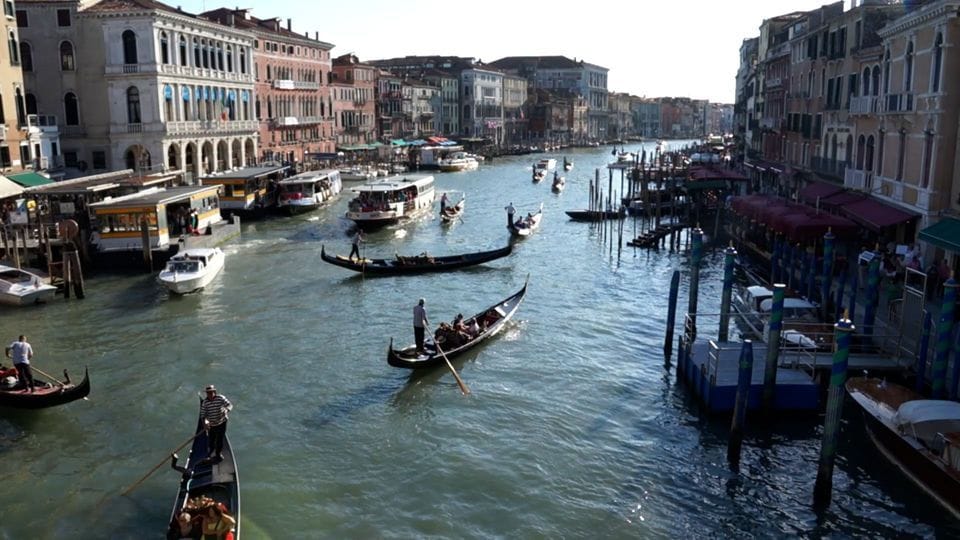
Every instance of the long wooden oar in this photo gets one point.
(162, 462)
(463, 387)
(47, 375)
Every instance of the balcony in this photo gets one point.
(889, 188)
(834, 168)
(194, 127)
(861, 180)
(198, 73)
(864, 105)
(898, 103)
(288, 84)
(774, 82)
(3, 132)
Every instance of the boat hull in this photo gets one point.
(42, 398)
(593, 215)
(185, 283)
(393, 267)
(36, 296)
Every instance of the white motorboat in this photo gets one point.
(546, 164)
(528, 224)
(353, 174)
(192, 269)
(309, 191)
(391, 200)
(567, 165)
(21, 288)
(458, 161)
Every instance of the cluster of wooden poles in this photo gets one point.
(68, 268)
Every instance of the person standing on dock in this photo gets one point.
(420, 323)
(355, 248)
(510, 211)
(22, 353)
(214, 411)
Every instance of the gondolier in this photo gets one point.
(510, 211)
(214, 410)
(355, 248)
(420, 322)
(443, 203)
(22, 353)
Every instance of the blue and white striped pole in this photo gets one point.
(828, 240)
(873, 293)
(744, 375)
(944, 333)
(773, 349)
(729, 257)
(831, 426)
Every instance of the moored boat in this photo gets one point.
(527, 225)
(391, 200)
(20, 287)
(45, 394)
(559, 183)
(206, 482)
(357, 173)
(414, 264)
(488, 323)
(309, 191)
(458, 161)
(920, 436)
(547, 164)
(567, 165)
(192, 269)
(595, 215)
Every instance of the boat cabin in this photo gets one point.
(391, 192)
(794, 309)
(168, 212)
(248, 189)
(309, 185)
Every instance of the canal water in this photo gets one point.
(574, 428)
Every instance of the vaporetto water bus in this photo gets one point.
(391, 200)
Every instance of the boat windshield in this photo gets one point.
(183, 266)
(15, 276)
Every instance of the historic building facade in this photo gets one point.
(354, 106)
(16, 150)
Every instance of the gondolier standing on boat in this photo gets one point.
(443, 204)
(214, 411)
(355, 248)
(510, 211)
(420, 324)
(22, 353)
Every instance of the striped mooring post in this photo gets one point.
(775, 260)
(831, 425)
(744, 374)
(729, 255)
(775, 326)
(944, 332)
(671, 315)
(873, 294)
(828, 240)
(841, 285)
(811, 275)
(921, 368)
(854, 290)
(696, 254)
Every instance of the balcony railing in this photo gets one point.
(289, 84)
(829, 167)
(854, 179)
(898, 103)
(215, 126)
(201, 73)
(864, 105)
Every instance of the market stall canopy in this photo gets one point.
(29, 179)
(818, 190)
(9, 188)
(874, 214)
(944, 233)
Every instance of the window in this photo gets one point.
(886, 72)
(5, 157)
(129, 47)
(861, 148)
(70, 158)
(882, 143)
(927, 158)
(869, 159)
(243, 61)
(8, 8)
(66, 56)
(26, 56)
(183, 51)
(99, 159)
(63, 17)
(875, 80)
(197, 62)
(22, 21)
(937, 63)
(71, 109)
(164, 49)
(901, 153)
(908, 69)
(229, 58)
(219, 57)
(31, 104)
(14, 48)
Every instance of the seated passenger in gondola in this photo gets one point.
(8, 378)
(187, 525)
(473, 329)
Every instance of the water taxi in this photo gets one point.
(546, 164)
(458, 161)
(19, 287)
(309, 191)
(191, 270)
(391, 200)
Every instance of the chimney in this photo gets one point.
(289, 24)
(230, 19)
(316, 36)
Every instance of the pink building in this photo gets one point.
(293, 103)
(353, 87)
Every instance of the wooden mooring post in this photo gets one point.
(773, 350)
(831, 426)
(145, 243)
(944, 333)
(671, 316)
(728, 259)
(924, 349)
(696, 254)
(740, 406)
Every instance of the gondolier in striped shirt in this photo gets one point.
(214, 411)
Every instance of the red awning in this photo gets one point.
(811, 227)
(713, 173)
(841, 198)
(752, 205)
(773, 216)
(818, 190)
(874, 214)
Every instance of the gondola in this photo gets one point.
(45, 394)
(204, 480)
(418, 264)
(490, 321)
(451, 214)
(595, 215)
(526, 226)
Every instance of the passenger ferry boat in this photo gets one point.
(309, 191)
(391, 200)
(247, 190)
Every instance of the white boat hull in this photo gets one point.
(188, 282)
(27, 297)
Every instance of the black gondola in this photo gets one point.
(595, 215)
(451, 214)
(206, 480)
(490, 321)
(418, 264)
(45, 394)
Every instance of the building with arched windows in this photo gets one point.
(137, 84)
(15, 147)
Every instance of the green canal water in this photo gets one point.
(574, 428)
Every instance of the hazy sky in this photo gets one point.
(652, 48)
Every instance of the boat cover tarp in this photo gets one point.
(925, 418)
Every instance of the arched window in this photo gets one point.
(833, 147)
(14, 48)
(901, 153)
(848, 150)
(881, 145)
(26, 57)
(21, 108)
(197, 60)
(865, 86)
(71, 109)
(133, 105)
(31, 104)
(868, 161)
(875, 76)
(927, 158)
(164, 48)
(129, 47)
(219, 56)
(229, 58)
(183, 51)
(243, 61)
(66, 56)
(861, 148)
(169, 108)
(908, 69)
(206, 53)
(937, 63)
(886, 72)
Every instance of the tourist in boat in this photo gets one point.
(214, 411)
(216, 523)
(186, 524)
(510, 211)
(22, 352)
(355, 248)
(420, 323)
(473, 329)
